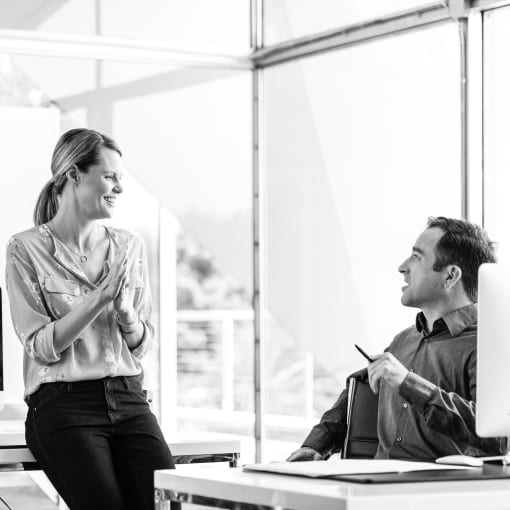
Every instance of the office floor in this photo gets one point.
(22, 493)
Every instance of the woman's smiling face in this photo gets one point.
(99, 187)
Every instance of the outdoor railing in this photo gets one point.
(218, 341)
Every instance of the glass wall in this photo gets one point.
(191, 22)
(197, 22)
(496, 128)
(191, 147)
(362, 145)
(75, 17)
(289, 19)
(186, 141)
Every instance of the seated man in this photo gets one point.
(426, 378)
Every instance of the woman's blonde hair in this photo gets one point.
(77, 147)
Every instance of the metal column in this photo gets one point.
(258, 236)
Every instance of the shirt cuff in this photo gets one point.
(44, 347)
(140, 350)
(319, 439)
(417, 390)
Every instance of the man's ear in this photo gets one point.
(73, 175)
(453, 276)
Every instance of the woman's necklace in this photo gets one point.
(84, 257)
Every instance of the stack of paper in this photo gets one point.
(321, 469)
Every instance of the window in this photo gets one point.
(496, 127)
(289, 19)
(361, 147)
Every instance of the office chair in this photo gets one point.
(361, 438)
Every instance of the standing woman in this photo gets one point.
(81, 306)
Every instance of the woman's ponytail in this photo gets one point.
(47, 204)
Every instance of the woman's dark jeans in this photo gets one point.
(98, 442)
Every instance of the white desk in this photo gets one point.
(232, 488)
(15, 455)
(14, 450)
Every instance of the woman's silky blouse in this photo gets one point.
(45, 282)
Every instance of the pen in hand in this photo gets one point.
(364, 354)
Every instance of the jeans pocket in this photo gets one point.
(46, 394)
(42, 396)
(134, 383)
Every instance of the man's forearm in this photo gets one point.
(322, 440)
(447, 412)
(330, 432)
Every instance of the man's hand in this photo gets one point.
(387, 368)
(304, 453)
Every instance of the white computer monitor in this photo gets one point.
(1, 352)
(493, 351)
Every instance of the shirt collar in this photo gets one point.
(61, 253)
(456, 321)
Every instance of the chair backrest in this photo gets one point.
(361, 439)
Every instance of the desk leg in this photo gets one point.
(160, 500)
(165, 500)
(234, 460)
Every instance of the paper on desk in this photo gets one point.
(320, 468)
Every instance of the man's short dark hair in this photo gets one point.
(463, 244)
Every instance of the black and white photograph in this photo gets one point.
(254, 254)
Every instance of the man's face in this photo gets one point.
(424, 286)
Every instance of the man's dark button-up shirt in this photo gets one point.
(432, 414)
